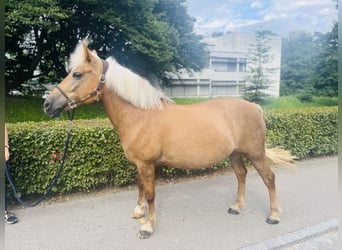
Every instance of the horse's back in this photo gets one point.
(234, 106)
(226, 112)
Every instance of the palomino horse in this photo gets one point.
(154, 131)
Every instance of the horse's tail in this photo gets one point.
(281, 158)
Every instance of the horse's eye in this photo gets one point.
(77, 75)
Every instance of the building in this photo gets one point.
(227, 66)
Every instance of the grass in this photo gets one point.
(287, 102)
(324, 101)
(22, 109)
(189, 100)
(291, 102)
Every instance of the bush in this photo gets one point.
(305, 96)
(95, 158)
(308, 132)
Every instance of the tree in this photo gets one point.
(310, 64)
(297, 67)
(326, 80)
(258, 75)
(149, 36)
(27, 27)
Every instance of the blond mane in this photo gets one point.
(133, 88)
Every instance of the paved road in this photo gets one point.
(191, 215)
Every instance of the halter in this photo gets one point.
(72, 103)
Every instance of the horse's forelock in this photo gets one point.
(77, 56)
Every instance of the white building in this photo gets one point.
(227, 67)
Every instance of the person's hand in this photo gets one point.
(6, 153)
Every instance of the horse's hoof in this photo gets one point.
(144, 234)
(233, 211)
(146, 230)
(272, 221)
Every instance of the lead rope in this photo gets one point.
(54, 181)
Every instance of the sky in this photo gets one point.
(279, 16)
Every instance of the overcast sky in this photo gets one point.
(279, 16)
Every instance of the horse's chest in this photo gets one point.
(143, 146)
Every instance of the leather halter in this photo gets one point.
(72, 103)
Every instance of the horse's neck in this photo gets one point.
(122, 114)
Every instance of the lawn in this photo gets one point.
(21, 109)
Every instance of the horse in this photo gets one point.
(155, 131)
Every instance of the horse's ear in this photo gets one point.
(86, 51)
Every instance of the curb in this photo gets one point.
(293, 238)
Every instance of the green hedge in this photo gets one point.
(95, 158)
(308, 132)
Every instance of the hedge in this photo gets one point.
(95, 158)
(308, 132)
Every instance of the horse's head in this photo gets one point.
(81, 86)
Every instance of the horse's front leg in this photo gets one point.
(146, 178)
(139, 210)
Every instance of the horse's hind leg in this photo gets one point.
(241, 172)
(268, 177)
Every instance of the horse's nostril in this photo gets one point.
(46, 104)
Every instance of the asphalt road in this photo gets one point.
(191, 214)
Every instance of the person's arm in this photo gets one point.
(6, 145)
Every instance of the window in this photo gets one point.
(242, 65)
(219, 66)
(224, 90)
(224, 64)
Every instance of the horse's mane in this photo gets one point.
(133, 88)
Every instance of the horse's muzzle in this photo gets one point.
(52, 109)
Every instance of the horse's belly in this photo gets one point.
(189, 161)
(195, 154)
